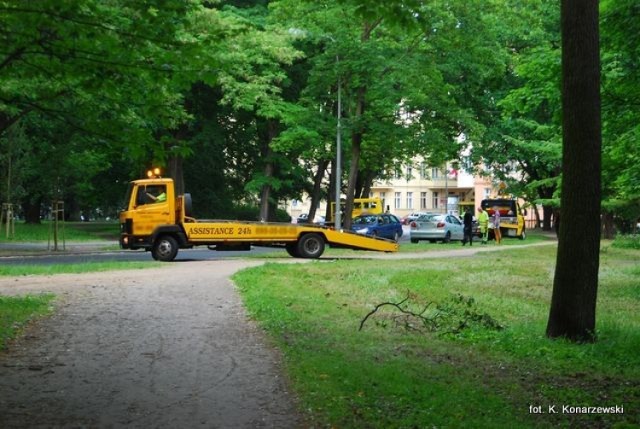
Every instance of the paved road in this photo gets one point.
(15, 253)
(37, 254)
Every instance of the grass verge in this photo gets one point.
(16, 312)
(84, 267)
(72, 231)
(481, 361)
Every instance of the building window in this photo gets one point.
(397, 174)
(435, 174)
(383, 200)
(396, 202)
(435, 200)
(409, 172)
(423, 200)
(423, 171)
(409, 200)
(487, 193)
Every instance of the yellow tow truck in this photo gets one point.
(158, 220)
(511, 216)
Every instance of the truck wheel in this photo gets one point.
(165, 249)
(292, 249)
(447, 237)
(310, 246)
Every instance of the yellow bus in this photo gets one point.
(360, 206)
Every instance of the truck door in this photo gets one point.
(152, 208)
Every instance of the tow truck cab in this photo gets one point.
(148, 214)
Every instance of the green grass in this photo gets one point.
(85, 267)
(16, 312)
(397, 373)
(73, 231)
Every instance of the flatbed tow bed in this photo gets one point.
(299, 241)
(164, 226)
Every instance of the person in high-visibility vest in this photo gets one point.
(483, 222)
(160, 198)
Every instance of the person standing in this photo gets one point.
(468, 228)
(496, 225)
(483, 222)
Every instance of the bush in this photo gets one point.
(627, 241)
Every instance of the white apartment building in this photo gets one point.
(431, 189)
(418, 187)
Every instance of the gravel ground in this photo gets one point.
(168, 347)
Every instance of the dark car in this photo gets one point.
(380, 225)
(304, 218)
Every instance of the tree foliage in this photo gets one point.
(243, 96)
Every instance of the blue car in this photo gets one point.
(379, 225)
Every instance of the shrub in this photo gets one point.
(627, 241)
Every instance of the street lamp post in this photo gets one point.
(446, 188)
(338, 214)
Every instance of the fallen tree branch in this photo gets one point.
(426, 321)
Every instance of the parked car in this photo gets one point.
(411, 217)
(382, 225)
(304, 218)
(436, 227)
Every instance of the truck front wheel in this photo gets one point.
(165, 248)
(311, 246)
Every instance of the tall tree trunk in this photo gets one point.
(608, 226)
(357, 193)
(266, 213)
(317, 187)
(356, 135)
(573, 303)
(31, 211)
(556, 221)
(547, 213)
(176, 172)
(536, 214)
(356, 149)
(546, 193)
(367, 182)
(265, 193)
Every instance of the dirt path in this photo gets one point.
(125, 350)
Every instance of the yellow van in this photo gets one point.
(360, 206)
